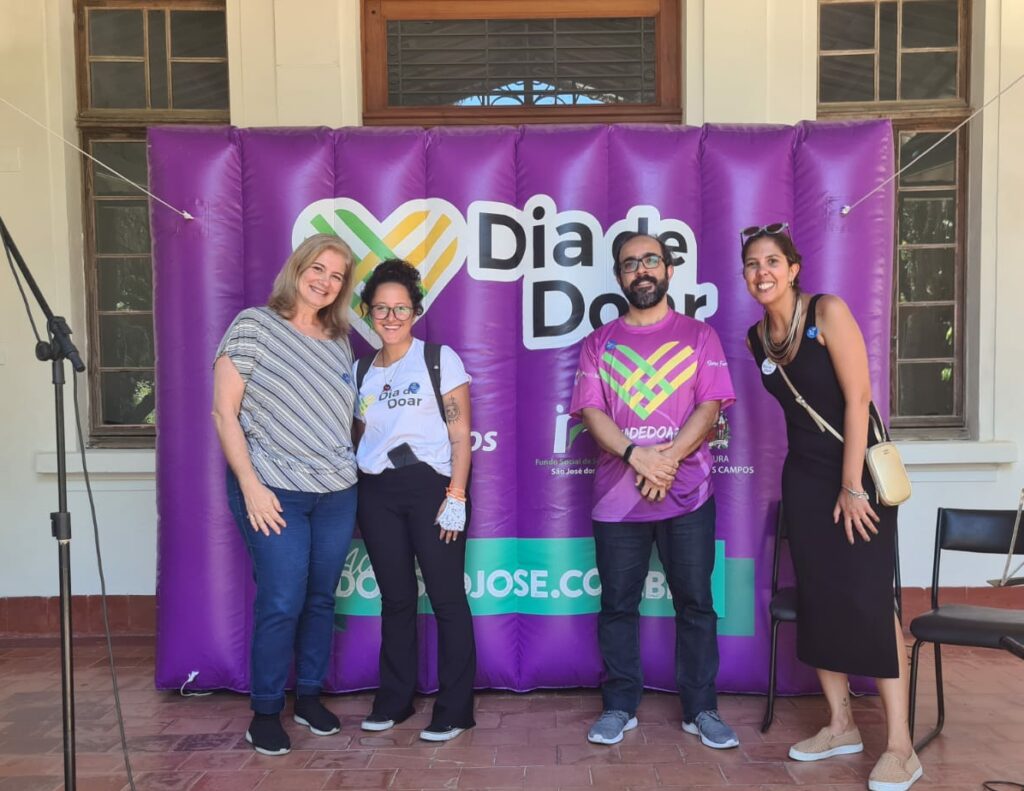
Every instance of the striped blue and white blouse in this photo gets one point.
(298, 402)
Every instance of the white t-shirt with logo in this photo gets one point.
(397, 404)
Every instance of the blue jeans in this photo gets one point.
(686, 546)
(296, 576)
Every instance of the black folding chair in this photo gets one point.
(782, 609)
(964, 530)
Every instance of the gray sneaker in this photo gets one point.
(610, 726)
(712, 731)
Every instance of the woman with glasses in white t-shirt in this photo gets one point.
(413, 452)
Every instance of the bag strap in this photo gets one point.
(432, 357)
(819, 421)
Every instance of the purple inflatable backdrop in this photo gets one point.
(511, 228)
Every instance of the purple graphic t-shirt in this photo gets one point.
(649, 380)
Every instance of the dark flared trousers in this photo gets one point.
(396, 515)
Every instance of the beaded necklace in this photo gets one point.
(777, 352)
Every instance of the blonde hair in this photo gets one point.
(333, 317)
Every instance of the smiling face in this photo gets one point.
(321, 282)
(767, 272)
(392, 329)
(645, 287)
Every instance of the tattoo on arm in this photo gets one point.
(452, 413)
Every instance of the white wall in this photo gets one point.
(39, 200)
(296, 62)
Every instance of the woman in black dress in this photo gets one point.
(842, 540)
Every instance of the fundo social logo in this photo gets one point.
(563, 258)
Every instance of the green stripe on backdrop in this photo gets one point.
(553, 576)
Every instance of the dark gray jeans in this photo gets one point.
(686, 545)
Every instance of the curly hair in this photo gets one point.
(394, 270)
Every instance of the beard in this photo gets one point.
(643, 299)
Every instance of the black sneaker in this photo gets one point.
(309, 711)
(376, 723)
(266, 735)
(440, 733)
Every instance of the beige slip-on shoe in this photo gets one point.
(892, 773)
(824, 745)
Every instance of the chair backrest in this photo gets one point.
(780, 536)
(973, 530)
(977, 530)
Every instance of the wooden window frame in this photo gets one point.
(923, 115)
(134, 117)
(667, 107)
(118, 124)
(136, 435)
(898, 107)
(957, 422)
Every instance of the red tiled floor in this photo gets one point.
(534, 741)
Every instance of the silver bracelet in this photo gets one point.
(855, 493)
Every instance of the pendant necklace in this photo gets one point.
(390, 369)
(777, 352)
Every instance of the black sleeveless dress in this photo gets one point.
(845, 594)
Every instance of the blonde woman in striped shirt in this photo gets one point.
(283, 404)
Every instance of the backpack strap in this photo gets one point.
(362, 366)
(432, 357)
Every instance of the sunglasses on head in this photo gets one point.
(755, 230)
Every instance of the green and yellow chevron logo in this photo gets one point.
(645, 382)
(428, 233)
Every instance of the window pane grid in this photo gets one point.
(924, 46)
(121, 286)
(927, 376)
(561, 61)
(152, 88)
(128, 53)
(898, 58)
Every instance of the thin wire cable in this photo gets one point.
(121, 176)
(851, 206)
(103, 586)
(24, 298)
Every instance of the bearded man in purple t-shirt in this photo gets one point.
(649, 388)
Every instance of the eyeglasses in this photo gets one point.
(650, 261)
(772, 230)
(400, 312)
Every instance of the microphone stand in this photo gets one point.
(58, 348)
